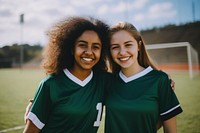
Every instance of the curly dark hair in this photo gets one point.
(57, 55)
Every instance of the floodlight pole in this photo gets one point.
(21, 40)
(193, 11)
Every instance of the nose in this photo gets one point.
(88, 50)
(122, 51)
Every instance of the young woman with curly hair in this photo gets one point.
(70, 98)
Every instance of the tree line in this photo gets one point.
(10, 56)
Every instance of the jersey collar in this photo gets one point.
(138, 75)
(76, 80)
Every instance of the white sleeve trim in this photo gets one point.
(170, 110)
(35, 120)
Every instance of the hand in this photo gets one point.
(27, 110)
(172, 84)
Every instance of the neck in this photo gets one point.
(80, 74)
(132, 70)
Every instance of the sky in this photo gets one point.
(40, 15)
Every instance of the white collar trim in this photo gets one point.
(133, 77)
(76, 80)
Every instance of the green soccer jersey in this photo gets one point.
(134, 104)
(65, 104)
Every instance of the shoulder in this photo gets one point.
(51, 78)
(49, 83)
(160, 74)
(161, 77)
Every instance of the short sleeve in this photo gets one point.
(169, 105)
(40, 109)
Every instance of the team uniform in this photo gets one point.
(134, 104)
(65, 104)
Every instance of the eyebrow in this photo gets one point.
(128, 42)
(124, 43)
(96, 43)
(82, 41)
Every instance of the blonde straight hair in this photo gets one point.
(143, 57)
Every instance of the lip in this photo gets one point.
(87, 59)
(124, 58)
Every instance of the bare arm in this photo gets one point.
(169, 126)
(27, 110)
(30, 128)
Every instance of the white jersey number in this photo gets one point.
(98, 120)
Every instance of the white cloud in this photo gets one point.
(139, 17)
(162, 10)
(157, 11)
(121, 7)
(39, 15)
(103, 9)
(139, 4)
(85, 3)
(5, 12)
(117, 8)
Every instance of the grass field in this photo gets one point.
(18, 86)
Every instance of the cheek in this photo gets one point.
(133, 50)
(114, 57)
(113, 53)
(77, 51)
(98, 53)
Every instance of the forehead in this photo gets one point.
(90, 36)
(122, 36)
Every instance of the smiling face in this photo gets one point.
(124, 49)
(87, 51)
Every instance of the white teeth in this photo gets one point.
(87, 59)
(124, 59)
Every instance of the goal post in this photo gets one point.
(191, 53)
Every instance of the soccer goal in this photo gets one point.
(177, 56)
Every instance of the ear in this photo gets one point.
(139, 45)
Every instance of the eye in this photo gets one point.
(82, 45)
(129, 45)
(96, 47)
(113, 47)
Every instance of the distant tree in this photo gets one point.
(10, 54)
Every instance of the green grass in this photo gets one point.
(18, 86)
(188, 93)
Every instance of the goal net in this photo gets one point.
(175, 56)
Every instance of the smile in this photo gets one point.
(124, 58)
(87, 59)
